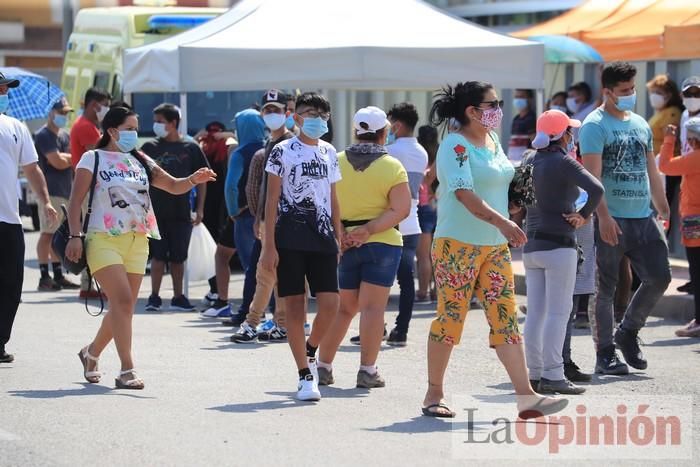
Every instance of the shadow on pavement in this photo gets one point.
(423, 424)
(609, 379)
(676, 342)
(86, 390)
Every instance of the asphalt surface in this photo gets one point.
(210, 402)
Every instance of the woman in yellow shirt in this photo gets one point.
(374, 197)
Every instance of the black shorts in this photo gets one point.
(226, 235)
(296, 267)
(174, 241)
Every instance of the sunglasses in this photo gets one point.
(492, 104)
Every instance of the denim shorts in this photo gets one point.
(374, 263)
(427, 218)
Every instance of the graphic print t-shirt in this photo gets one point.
(121, 203)
(307, 172)
(624, 145)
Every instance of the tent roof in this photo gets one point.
(332, 44)
(583, 17)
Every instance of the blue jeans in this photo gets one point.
(373, 263)
(407, 282)
(248, 254)
(643, 242)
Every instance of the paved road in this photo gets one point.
(210, 402)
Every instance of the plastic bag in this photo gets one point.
(201, 264)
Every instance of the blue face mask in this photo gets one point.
(314, 128)
(127, 140)
(4, 103)
(159, 129)
(390, 138)
(571, 146)
(60, 120)
(289, 123)
(520, 104)
(625, 103)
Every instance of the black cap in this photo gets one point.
(9, 82)
(274, 97)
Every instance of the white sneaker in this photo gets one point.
(307, 390)
(313, 367)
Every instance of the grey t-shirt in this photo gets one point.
(58, 182)
(557, 179)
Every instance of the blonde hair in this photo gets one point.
(668, 87)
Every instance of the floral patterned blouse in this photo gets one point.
(121, 204)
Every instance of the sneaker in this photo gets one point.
(607, 362)
(220, 309)
(209, 299)
(628, 343)
(6, 357)
(46, 284)
(422, 300)
(325, 377)
(266, 326)
(313, 367)
(154, 303)
(236, 320)
(66, 284)
(574, 374)
(307, 390)
(397, 338)
(692, 329)
(181, 303)
(367, 381)
(246, 334)
(581, 322)
(307, 329)
(356, 339)
(276, 334)
(564, 386)
(686, 288)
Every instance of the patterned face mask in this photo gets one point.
(491, 118)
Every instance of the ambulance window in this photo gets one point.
(117, 88)
(101, 80)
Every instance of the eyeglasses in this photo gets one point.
(492, 104)
(314, 114)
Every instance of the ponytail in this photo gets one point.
(452, 102)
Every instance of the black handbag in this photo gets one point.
(61, 237)
(521, 191)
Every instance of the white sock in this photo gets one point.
(327, 366)
(371, 369)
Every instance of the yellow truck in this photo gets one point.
(93, 55)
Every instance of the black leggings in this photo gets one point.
(694, 269)
(11, 277)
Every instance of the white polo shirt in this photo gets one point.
(16, 150)
(415, 160)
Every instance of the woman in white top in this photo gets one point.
(116, 240)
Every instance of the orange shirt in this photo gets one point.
(84, 133)
(689, 167)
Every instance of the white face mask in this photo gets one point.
(159, 130)
(572, 105)
(274, 121)
(657, 100)
(692, 104)
(102, 112)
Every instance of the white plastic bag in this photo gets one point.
(201, 264)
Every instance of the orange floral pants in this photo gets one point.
(462, 270)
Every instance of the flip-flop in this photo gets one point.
(429, 413)
(540, 409)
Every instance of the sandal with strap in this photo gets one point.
(93, 376)
(447, 413)
(134, 383)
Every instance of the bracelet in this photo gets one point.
(80, 235)
(189, 179)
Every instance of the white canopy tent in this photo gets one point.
(332, 44)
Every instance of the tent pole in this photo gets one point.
(183, 130)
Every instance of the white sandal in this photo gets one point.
(90, 376)
(134, 383)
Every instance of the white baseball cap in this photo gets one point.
(369, 120)
(692, 126)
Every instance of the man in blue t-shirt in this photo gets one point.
(616, 145)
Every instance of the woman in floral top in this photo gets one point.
(121, 222)
(470, 251)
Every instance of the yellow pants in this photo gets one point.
(462, 270)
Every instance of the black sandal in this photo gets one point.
(440, 405)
